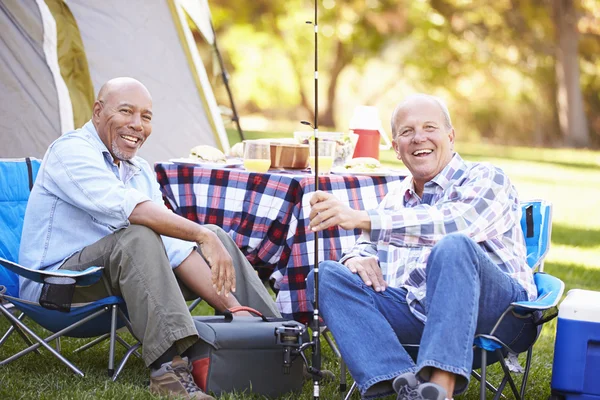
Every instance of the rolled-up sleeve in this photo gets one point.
(177, 250)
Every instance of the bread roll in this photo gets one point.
(208, 154)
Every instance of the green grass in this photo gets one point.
(569, 179)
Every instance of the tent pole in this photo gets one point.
(235, 117)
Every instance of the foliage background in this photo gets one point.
(512, 71)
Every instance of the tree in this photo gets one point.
(569, 98)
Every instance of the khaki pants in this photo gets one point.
(137, 268)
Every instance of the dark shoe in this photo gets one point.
(175, 378)
(408, 387)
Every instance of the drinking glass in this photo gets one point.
(326, 155)
(257, 155)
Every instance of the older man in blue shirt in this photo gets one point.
(95, 203)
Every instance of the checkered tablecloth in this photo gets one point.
(267, 216)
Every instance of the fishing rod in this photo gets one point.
(315, 368)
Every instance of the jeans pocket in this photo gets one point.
(396, 294)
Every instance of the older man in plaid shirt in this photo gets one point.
(438, 262)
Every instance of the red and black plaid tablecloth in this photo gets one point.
(267, 216)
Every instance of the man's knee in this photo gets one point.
(452, 250)
(139, 232)
(454, 243)
(332, 274)
(216, 229)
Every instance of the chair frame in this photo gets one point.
(34, 341)
(488, 342)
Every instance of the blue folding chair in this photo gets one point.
(99, 319)
(536, 223)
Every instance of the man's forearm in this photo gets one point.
(166, 223)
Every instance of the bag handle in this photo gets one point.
(228, 314)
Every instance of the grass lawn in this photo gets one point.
(568, 178)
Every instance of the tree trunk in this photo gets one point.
(341, 61)
(571, 113)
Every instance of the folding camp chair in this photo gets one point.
(536, 223)
(99, 319)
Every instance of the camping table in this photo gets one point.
(267, 216)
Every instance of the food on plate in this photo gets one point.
(208, 153)
(362, 164)
(237, 150)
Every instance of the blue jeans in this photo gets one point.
(466, 294)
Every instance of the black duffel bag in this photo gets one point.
(236, 354)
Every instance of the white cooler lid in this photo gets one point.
(580, 305)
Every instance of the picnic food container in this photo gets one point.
(288, 155)
(576, 365)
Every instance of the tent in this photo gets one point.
(55, 55)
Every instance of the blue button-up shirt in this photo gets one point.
(79, 198)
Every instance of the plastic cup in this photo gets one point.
(326, 155)
(257, 156)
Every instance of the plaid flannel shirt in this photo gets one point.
(475, 199)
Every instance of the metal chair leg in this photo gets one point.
(127, 346)
(15, 328)
(132, 350)
(113, 333)
(501, 387)
(352, 388)
(342, 375)
(526, 373)
(488, 385)
(58, 347)
(507, 375)
(483, 373)
(41, 342)
(194, 304)
(94, 342)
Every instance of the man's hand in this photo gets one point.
(328, 211)
(369, 271)
(220, 262)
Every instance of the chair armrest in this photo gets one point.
(82, 278)
(550, 290)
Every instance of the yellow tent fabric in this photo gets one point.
(73, 62)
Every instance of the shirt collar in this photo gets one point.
(97, 142)
(442, 179)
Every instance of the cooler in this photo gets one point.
(576, 367)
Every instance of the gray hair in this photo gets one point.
(422, 96)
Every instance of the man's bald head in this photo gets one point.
(122, 116)
(421, 98)
(116, 85)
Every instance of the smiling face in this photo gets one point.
(423, 138)
(122, 116)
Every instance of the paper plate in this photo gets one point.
(232, 162)
(377, 172)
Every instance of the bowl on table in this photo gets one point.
(289, 155)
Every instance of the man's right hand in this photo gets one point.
(369, 271)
